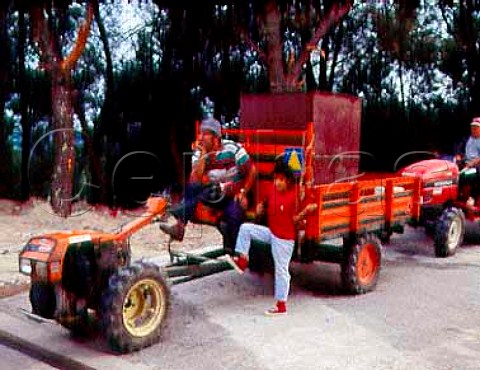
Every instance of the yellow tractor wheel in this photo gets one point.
(134, 307)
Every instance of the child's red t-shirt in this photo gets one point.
(280, 209)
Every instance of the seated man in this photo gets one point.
(222, 162)
(472, 149)
(470, 177)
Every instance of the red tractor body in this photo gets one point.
(439, 180)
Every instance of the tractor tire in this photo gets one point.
(80, 326)
(43, 299)
(362, 263)
(449, 232)
(134, 307)
(430, 229)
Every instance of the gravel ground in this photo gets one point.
(423, 315)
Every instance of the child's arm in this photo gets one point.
(260, 209)
(260, 213)
(304, 212)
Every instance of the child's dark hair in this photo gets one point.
(282, 168)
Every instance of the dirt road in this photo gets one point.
(423, 315)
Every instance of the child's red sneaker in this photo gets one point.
(239, 263)
(279, 309)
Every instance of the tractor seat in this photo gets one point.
(210, 216)
(206, 215)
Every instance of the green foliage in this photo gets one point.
(414, 73)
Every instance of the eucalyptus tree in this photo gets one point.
(432, 36)
(220, 49)
(461, 52)
(282, 33)
(428, 57)
(5, 63)
(47, 23)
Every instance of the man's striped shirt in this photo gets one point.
(231, 163)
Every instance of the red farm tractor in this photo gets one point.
(446, 201)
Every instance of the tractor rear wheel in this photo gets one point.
(361, 265)
(134, 307)
(449, 232)
(384, 236)
(43, 300)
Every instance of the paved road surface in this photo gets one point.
(13, 360)
(424, 314)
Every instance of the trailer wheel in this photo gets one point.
(384, 236)
(134, 307)
(43, 300)
(361, 266)
(449, 232)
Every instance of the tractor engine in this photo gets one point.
(69, 270)
(439, 181)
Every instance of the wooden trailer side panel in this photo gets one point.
(359, 207)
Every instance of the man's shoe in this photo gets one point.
(176, 231)
(279, 309)
(239, 263)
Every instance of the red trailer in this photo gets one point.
(318, 134)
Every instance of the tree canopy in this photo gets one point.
(72, 75)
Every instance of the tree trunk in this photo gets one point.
(322, 78)
(337, 46)
(62, 110)
(25, 120)
(279, 80)
(92, 165)
(102, 130)
(174, 131)
(5, 182)
(274, 48)
(64, 157)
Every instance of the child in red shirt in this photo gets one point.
(280, 206)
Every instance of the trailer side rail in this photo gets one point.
(361, 206)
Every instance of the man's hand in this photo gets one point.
(199, 166)
(241, 198)
(201, 148)
(472, 163)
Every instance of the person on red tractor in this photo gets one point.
(281, 208)
(470, 176)
(223, 164)
(472, 148)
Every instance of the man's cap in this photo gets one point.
(475, 122)
(212, 125)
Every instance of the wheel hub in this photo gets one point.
(367, 265)
(454, 234)
(143, 307)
